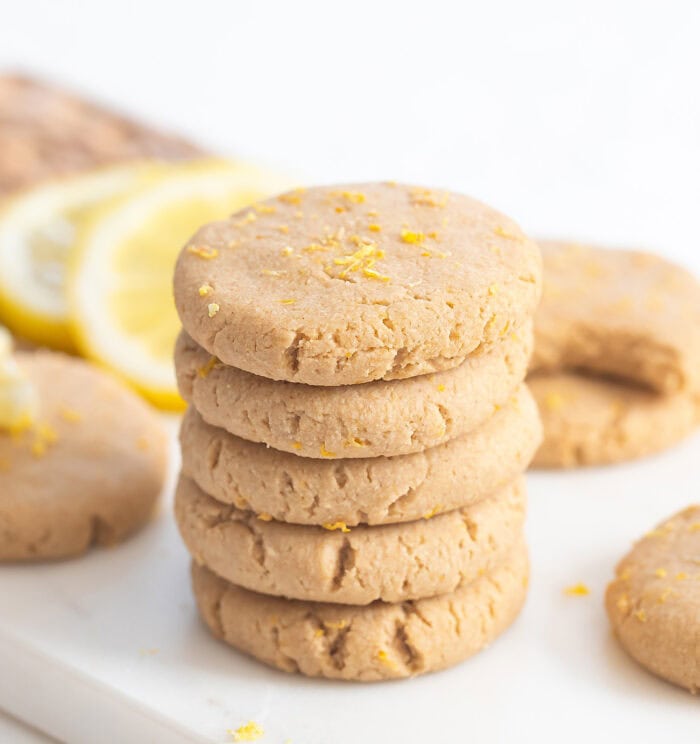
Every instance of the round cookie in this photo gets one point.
(340, 285)
(654, 602)
(378, 490)
(595, 421)
(394, 562)
(385, 417)
(380, 641)
(89, 471)
(627, 314)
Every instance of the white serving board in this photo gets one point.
(108, 649)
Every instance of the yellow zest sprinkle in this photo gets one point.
(251, 731)
(383, 656)
(374, 227)
(203, 251)
(441, 388)
(493, 289)
(435, 510)
(288, 301)
(356, 197)
(426, 198)
(70, 414)
(694, 527)
(272, 272)
(205, 289)
(340, 210)
(287, 250)
(325, 452)
(264, 208)
(623, 603)
(250, 216)
(336, 526)
(319, 632)
(372, 274)
(292, 197)
(296, 445)
(503, 233)
(372, 213)
(364, 258)
(681, 576)
(641, 616)
(554, 401)
(265, 517)
(660, 572)
(208, 367)
(284, 229)
(355, 442)
(213, 308)
(336, 626)
(414, 238)
(314, 247)
(577, 590)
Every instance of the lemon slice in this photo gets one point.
(38, 230)
(121, 283)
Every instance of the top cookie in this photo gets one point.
(623, 313)
(348, 284)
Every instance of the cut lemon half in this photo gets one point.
(122, 308)
(38, 232)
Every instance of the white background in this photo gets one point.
(579, 119)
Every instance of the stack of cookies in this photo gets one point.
(352, 490)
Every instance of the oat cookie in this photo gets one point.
(377, 490)
(385, 417)
(622, 313)
(594, 421)
(393, 562)
(654, 602)
(380, 641)
(89, 471)
(342, 285)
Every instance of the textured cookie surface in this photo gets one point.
(594, 421)
(385, 417)
(654, 602)
(377, 490)
(393, 562)
(46, 132)
(622, 313)
(88, 472)
(348, 284)
(380, 641)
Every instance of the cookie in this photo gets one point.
(654, 602)
(380, 641)
(394, 562)
(46, 132)
(342, 285)
(378, 490)
(594, 421)
(89, 470)
(626, 314)
(385, 417)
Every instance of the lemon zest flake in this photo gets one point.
(287, 301)
(332, 526)
(208, 367)
(412, 238)
(250, 731)
(325, 452)
(202, 251)
(577, 590)
(660, 572)
(205, 289)
(265, 517)
(433, 512)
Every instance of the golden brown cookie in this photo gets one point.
(628, 314)
(341, 285)
(654, 602)
(47, 132)
(394, 562)
(594, 421)
(377, 490)
(385, 417)
(90, 469)
(380, 641)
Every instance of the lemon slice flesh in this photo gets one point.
(123, 312)
(38, 232)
